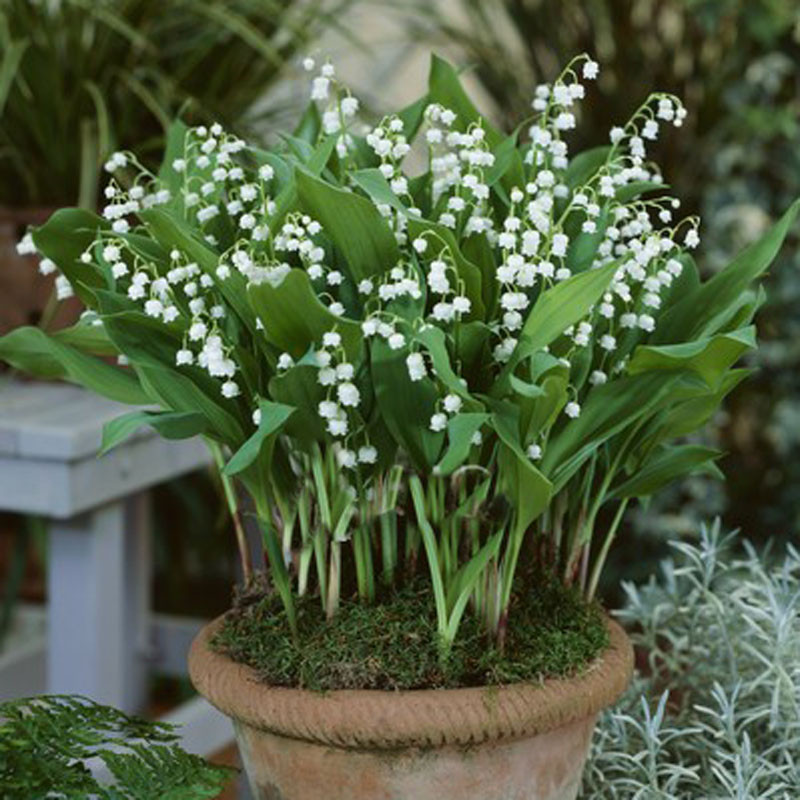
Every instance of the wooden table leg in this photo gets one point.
(98, 598)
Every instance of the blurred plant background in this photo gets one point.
(736, 64)
(714, 710)
(80, 79)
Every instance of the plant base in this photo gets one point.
(518, 742)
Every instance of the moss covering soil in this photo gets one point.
(393, 644)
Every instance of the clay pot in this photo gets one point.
(519, 742)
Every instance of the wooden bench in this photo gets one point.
(101, 638)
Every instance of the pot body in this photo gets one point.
(546, 766)
(518, 742)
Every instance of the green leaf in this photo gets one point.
(432, 553)
(556, 309)
(405, 405)
(352, 222)
(528, 489)
(664, 467)
(690, 316)
(444, 87)
(631, 191)
(299, 388)
(608, 409)
(585, 165)
(443, 239)
(529, 390)
(563, 305)
(63, 238)
(709, 358)
(273, 417)
(33, 351)
(434, 341)
(691, 414)
(169, 424)
(175, 141)
(294, 318)
(412, 116)
(460, 430)
(372, 182)
(12, 55)
(465, 580)
(178, 392)
(310, 124)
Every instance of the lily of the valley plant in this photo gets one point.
(458, 367)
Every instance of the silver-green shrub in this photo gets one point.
(716, 711)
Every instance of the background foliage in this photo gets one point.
(736, 162)
(714, 712)
(82, 78)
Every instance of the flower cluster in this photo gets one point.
(537, 235)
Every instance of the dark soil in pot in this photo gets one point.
(393, 644)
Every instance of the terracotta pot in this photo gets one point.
(519, 742)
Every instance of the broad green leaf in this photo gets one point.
(175, 144)
(169, 424)
(12, 55)
(309, 125)
(440, 238)
(444, 87)
(352, 222)
(87, 338)
(563, 305)
(689, 415)
(543, 411)
(299, 388)
(33, 351)
(273, 418)
(585, 165)
(405, 405)
(294, 318)
(557, 308)
(478, 251)
(460, 430)
(528, 489)
(63, 238)
(177, 392)
(412, 116)
(689, 317)
(664, 467)
(607, 410)
(372, 182)
(433, 340)
(709, 358)
(631, 191)
(583, 246)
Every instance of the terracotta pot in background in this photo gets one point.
(519, 742)
(24, 293)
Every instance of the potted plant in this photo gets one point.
(428, 387)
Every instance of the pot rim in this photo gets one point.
(378, 719)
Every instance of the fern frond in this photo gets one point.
(46, 744)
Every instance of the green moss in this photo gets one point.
(393, 645)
